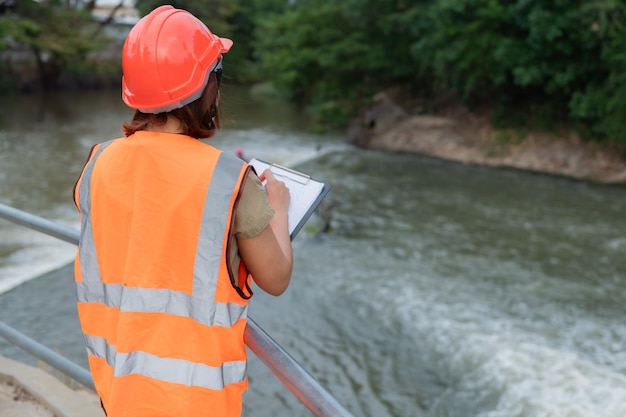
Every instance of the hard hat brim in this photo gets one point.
(226, 44)
(167, 58)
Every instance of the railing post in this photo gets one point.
(49, 356)
(40, 224)
(306, 388)
(292, 374)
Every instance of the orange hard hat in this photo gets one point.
(167, 59)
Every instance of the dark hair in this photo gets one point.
(199, 119)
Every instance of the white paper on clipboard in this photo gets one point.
(306, 193)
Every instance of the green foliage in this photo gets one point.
(233, 19)
(537, 64)
(214, 13)
(58, 35)
(532, 61)
(454, 42)
(63, 40)
(336, 54)
(242, 63)
(600, 107)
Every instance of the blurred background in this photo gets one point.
(423, 287)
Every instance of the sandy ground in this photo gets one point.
(459, 135)
(17, 402)
(27, 391)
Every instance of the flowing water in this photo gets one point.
(441, 289)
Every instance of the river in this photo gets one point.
(440, 290)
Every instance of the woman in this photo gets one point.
(172, 233)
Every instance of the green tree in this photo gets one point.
(534, 62)
(57, 33)
(599, 106)
(233, 19)
(336, 54)
(214, 13)
(243, 63)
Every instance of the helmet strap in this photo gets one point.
(217, 69)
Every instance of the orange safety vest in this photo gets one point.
(162, 316)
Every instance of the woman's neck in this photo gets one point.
(172, 125)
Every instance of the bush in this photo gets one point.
(563, 59)
(335, 55)
(536, 63)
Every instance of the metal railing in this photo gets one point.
(302, 384)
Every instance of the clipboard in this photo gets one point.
(306, 193)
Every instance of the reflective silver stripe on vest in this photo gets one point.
(179, 371)
(86, 247)
(151, 300)
(98, 347)
(176, 371)
(206, 269)
(197, 306)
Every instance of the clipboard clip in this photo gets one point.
(294, 175)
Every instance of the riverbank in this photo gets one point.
(457, 134)
(26, 391)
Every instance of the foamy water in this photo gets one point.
(442, 290)
(32, 261)
(496, 366)
(461, 292)
(32, 253)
